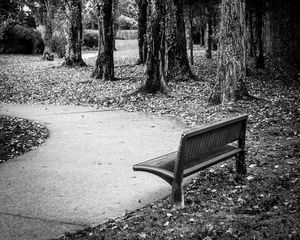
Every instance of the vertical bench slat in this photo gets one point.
(202, 143)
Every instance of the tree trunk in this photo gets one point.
(230, 85)
(116, 14)
(260, 63)
(209, 9)
(202, 34)
(255, 11)
(282, 30)
(178, 67)
(249, 22)
(105, 60)
(142, 30)
(155, 72)
(48, 54)
(73, 33)
(191, 35)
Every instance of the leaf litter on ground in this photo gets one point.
(18, 136)
(263, 205)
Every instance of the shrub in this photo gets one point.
(15, 38)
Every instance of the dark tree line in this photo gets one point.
(247, 29)
(162, 43)
(163, 48)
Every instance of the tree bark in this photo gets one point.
(209, 10)
(177, 67)
(104, 68)
(260, 63)
(116, 14)
(73, 33)
(231, 71)
(249, 22)
(202, 33)
(191, 47)
(50, 9)
(255, 9)
(142, 30)
(155, 72)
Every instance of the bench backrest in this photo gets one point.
(205, 139)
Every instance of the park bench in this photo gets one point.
(199, 149)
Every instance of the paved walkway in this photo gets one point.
(82, 175)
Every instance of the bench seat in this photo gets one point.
(163, 166)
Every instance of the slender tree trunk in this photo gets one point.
(260, 63)
(231, 72)
(178, 67)
(252, 46)
(202, 33)
(255, 9)
(155, 72)
(191, 35)
(142, 30)
(209, 9)
(47, 54)
(74, 33)
(105, 60)
(116, 14)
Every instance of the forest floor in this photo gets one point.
(263, 205)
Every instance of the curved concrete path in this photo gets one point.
(82, 175)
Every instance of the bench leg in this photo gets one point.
(241, 168)
(177, 198)
(241, 163)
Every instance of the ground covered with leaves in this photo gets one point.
(263, 205)
(18, 136)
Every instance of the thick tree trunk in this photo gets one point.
(142, 30)
(73, 33)
(155, 72)
(47, 54)
(230, 85)
(105, 60)
(282, 30)
(209, 10)
(178, 67)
